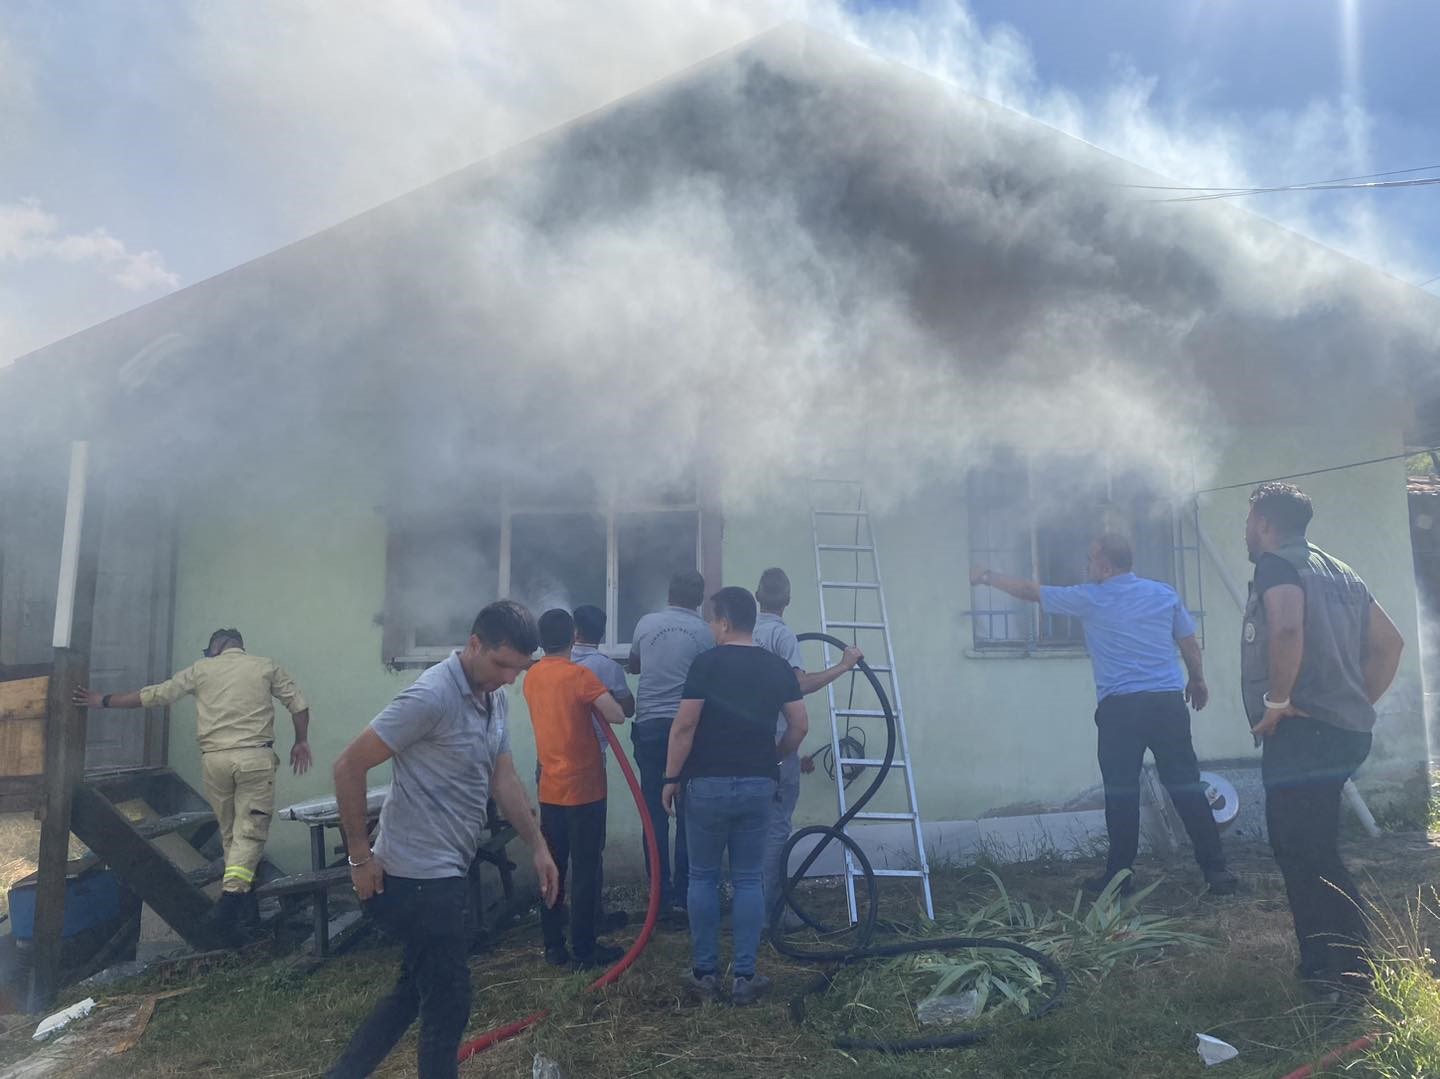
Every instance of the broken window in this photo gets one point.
(650, 549)
(559, 546)
(1036, 519)
(442, 568)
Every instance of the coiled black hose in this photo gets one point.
(862, 949)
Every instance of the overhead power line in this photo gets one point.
(1314, 471)
(1423, 181)
(1331, 180)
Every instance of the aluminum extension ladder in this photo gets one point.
(846, 572)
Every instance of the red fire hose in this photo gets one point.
(1359, 1045)
(652, 851)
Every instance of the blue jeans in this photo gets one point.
(727, 813)
(782, 817)
(651, 740)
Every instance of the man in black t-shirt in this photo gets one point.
(723, 748)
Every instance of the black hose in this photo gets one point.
(865, 929)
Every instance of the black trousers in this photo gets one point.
(576, 836)
(1305, 764)
(1128, 724)
(651, 740)
(428, 918)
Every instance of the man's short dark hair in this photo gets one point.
(687, 589)
(773, 592)
(589, 623)
(1116, 550)
(557, 630)
(1285, 506)
(220, 636)
(736, 606)
(506, 622)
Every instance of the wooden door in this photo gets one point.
(130, 640)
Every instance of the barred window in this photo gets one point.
(1036, 519)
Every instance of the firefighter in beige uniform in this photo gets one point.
(235, 721)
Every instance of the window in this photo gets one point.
(1036, 519)
(559, 546)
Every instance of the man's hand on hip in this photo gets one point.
(1271, 720)
(1197, 693)
(548, 875)
(368, 878)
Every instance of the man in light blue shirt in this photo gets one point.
(666, 643)
(1132, 628)
(589, 632)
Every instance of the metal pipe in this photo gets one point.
(70, 544)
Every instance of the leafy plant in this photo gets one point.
(1089, 941)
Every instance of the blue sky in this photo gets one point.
(147, 145)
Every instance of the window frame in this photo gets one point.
(398, 643)
(1184, 560)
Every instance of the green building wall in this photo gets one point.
(295, 557)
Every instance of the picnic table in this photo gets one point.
(328, 865)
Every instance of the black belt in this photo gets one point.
(227, 749)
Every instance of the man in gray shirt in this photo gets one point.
(447, 740)
(772, 634)
(666, 643)
(1317, 651)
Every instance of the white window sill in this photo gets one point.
(428, 657)
(1020, 653)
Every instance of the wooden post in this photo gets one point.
(65, 722)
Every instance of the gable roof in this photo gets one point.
(891, 215)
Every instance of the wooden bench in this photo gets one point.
(322, 813)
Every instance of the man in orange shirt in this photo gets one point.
(561, 696)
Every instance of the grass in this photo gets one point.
(1145, 978)
(1405, 1007)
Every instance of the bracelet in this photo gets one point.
(105, 701)
(1275, 704)
(356, 865)
(669, 780)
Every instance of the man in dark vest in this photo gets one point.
(1317, 652)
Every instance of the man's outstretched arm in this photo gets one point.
(1019, 587)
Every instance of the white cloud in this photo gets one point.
(29, 233)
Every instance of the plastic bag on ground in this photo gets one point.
(955, 1008)
(1214, 1051)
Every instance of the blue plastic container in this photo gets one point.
(91, 898)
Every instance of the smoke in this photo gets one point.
(797, 258)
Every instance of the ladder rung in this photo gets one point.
(841, 513)
(868, 815)
(854, 625)
(873, 762)
(862, 713)
(898, 872)
(850, 584)
(842, 547)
